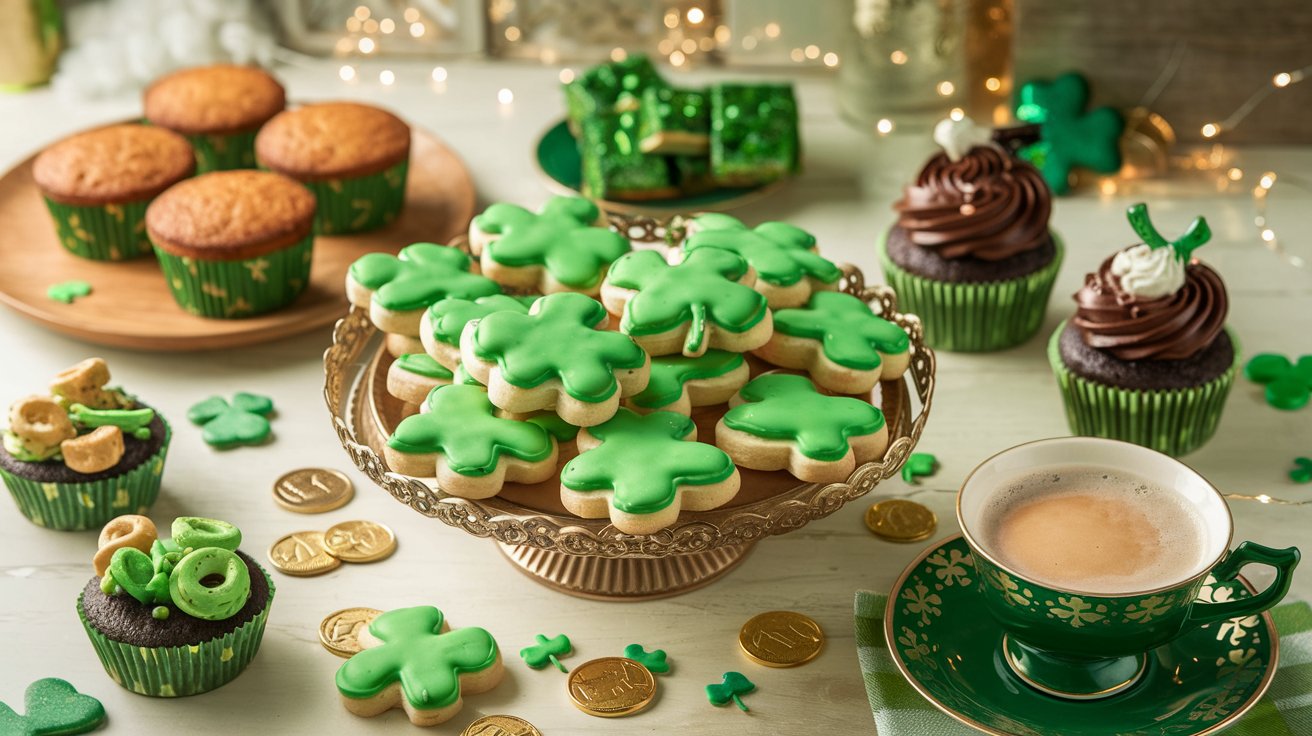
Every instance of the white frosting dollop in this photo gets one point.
(1148, 272)
(957, 137)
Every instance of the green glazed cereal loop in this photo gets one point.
(195, 532)
(210, 603)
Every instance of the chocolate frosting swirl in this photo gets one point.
(1171, 327)
(987, 205)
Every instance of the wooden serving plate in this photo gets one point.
(130, 305)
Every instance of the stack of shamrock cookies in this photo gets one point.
(557, 332)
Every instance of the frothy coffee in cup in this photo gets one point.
(1095, 530)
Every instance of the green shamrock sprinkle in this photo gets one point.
(1070, 136)
(53, 706)
(849, 333)
(68, 291)
(919, 465)
(1302, 471)
(461, 423)
(734, 685)
(1288, 385)
(160, 613)
(1194, 238)
(243, 422)
(562, 238)
(781, 253)
(545, 651)
(655, 660)
(782, 406)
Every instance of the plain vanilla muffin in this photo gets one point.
(218, 108)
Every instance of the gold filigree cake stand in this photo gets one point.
(589, 557)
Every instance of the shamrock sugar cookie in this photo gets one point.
(678, 383)
(788, 268)
(440, 328)
(458, 437)
(559, 356)
(642, 470)
(412, 659)
(707, 301)
(844, 346)
(411, 377)
(781, 422)
(564, 247)
(396, 289)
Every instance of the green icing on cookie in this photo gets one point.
(644, 459)
(449, 316)
(670, 372)
(560, 238)
(782, 406)
(704, 287)
(562, 430)
(52, 706)
(849, 333)
(462, 377)
(416, 654)
(781, 253)
(461, 423)
(420, 275)
(558, 339)
(421, 364)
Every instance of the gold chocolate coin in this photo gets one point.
(900, 520)
(302, 554)
(501, 726)
(781, 639)
(313, 490)
(611, 687)
(339, 629)
(359, 541)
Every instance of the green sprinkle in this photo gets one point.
(66, 292)
(160, 613)
(107, 584)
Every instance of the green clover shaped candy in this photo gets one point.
(1302, 470)
(545, 651)
(243, 422)
(781, 406)
(850, 335)
(53, 708)
(562, 239)
(783, 255)
(461, 423)
(67, 292)
(420, 275)
(655, 660)
(1194, 238)
(919, 465)
(1071, 136)
(1288, 385)
(733, 686)
(414, 648)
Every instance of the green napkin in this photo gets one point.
(1285, 710)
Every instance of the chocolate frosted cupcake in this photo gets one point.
(1147, 358)
(218, 108)
(971, 252)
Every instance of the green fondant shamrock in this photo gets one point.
(1194, 238)
(705, 286)
(1302, 471)
(1288, 385)
(415, 653)
(919, 465)
(418, 276)
(1070, 136)
(449, 316)
(460, 422)
(558, 339)
(545, 651)
(68, 291)
(783, 406)
(52, 707)
(733, 686)
(243, 422)
(669, 373)
(655, 660)
(561, 238)
(849, 333)
(781, 253)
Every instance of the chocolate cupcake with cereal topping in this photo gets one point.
(218, 108)
(971, 252)
(1146, 358)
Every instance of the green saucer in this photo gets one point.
(558, 157)
(949, 649)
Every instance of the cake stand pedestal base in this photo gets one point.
(624, 578)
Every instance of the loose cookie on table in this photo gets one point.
(706, 301)
(243, 422)
(788, 268)
(679, 383)
(559, 356)
(442, 323)
(396, 289)
(840, 342)
(412, 376)
(53, 706)
(781, 422)
(642, 470)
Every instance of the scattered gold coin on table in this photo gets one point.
(501, 726)
(302, 554)
(313, 490)
(611, 687)
(900, 520)
(781, 639)
(359, 541)
(339, 629)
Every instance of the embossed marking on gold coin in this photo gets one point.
(339, 629)
(302, 554)
(359, 541)
(313, 490)
(900, 520)
(501, 726)
(781, 639)
(611, 687)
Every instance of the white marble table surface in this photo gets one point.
(984, 404)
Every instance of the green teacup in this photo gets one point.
(1089, 641)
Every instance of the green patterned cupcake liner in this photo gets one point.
(358, 204)
(1171, 421)
(90, 504)
(109, 232)
(979, 317)
(222, 152)
(175, 672)
(236, 289)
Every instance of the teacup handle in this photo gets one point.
(1283, 560)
